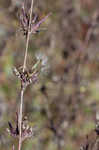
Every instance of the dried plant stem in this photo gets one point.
(28, 36)
(22, 90)
(20, 120)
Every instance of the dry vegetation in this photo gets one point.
(64, 104)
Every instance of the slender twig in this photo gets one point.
(22, 90)
(28, 36)
(20, 120)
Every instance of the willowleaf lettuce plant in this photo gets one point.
(29, 25)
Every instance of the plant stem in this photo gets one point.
(28, 37)
(20, 120)
(22, 90)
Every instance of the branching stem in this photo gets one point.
(22, 90)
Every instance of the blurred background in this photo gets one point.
(65, 100)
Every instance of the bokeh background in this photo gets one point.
(65, 100)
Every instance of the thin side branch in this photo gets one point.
(28, 37)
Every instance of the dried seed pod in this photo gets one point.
(28, 77)
(27, 131)
(34, 26)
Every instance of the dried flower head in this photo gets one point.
(27, 131)
(34, 26)
(28, 76)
